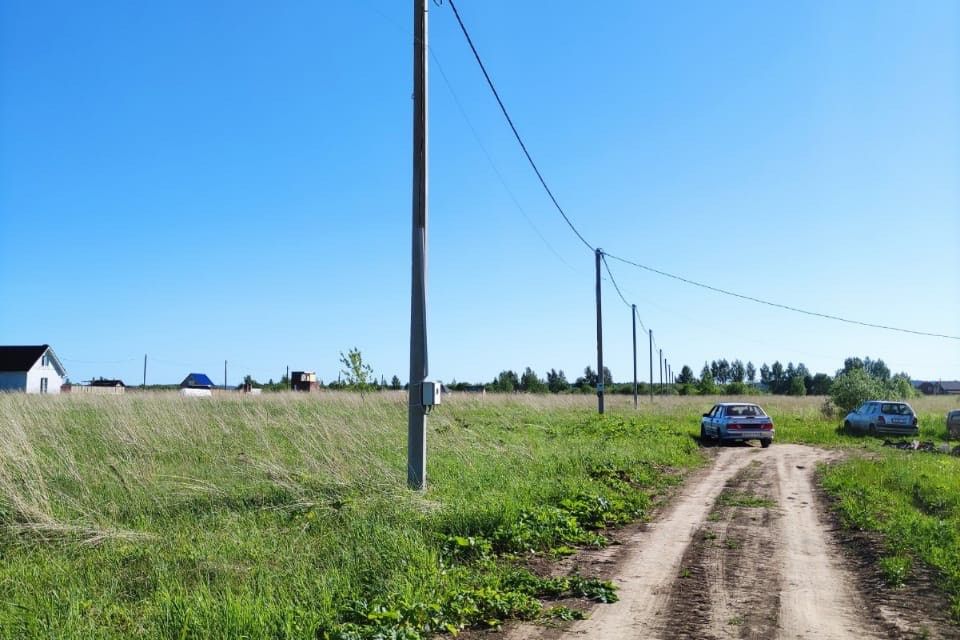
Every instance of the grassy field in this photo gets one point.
(286, 516)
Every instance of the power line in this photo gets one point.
(513, 128)
(778, 305)
(566, 218)
(620, 293)
(493, 165)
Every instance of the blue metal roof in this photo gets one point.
(197, 380)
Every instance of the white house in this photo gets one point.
(33, 369)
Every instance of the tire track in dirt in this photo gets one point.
(743, 551)
(729, 581)
(649, 560)
(819, 599)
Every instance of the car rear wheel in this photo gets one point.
(847, 427)
(766, 442)
(703, 435)
(872, 430)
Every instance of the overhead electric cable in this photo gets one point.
(513, 128)
(493, 165)
(777, 304)
(566, 218)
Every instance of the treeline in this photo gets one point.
(716, 377)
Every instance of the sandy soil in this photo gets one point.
(745, 550)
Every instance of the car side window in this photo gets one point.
(713, 411)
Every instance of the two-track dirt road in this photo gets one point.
(743, 551)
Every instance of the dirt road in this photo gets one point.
(744, 551)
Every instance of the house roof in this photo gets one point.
(105, 382)
(197, 380)
(950, 385)
(22, 358)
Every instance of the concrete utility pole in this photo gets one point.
(416, 412)
(599, 257)
(633, 315)
(651, 365)
(661, 371)
(144, 371)
(224, 375)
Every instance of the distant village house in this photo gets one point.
(304, 381)
(196, 385)
(939, 387)
(100, 386)
(31, 369)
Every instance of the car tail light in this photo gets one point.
(767, 426)
(881, 420)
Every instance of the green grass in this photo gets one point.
(913, 500)
(287, 516)
(153, 516)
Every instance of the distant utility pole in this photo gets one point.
(633, 315)
(651, 365)
(599, 257)
(224, 375)
(144, 371)
(416, 412)
(661, 371)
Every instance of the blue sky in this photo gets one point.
(231, 181)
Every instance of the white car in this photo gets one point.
(883, 416)
(737, 422)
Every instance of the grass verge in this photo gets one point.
(155, 516)
(913, 500)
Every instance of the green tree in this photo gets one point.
(357, 374)
(531, 382)
(737, 371)
(852, 388)
(588, 379)
(557, 381)
(796, 387)
(395, 383)
(819, 385)
(706, 386)
(506, 382)
(751, 372)
(686, 376)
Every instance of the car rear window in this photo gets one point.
(892, 409)
(745, 411)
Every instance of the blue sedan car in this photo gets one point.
(737, 422)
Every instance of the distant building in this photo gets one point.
(938, 387)
(197, 384)
(304, 381)
(31, 369)
(100, 386)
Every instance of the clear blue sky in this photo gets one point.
(211, 181)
